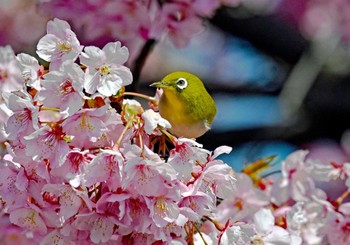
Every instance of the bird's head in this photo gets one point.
(180, 83)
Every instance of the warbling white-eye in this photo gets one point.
(186, 104)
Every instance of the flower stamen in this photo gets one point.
(104, 70)
(64, 46)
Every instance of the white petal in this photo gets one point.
(264, 220)
(345, 208)
(124, 73)
(295, 240)
(109, 85)
(115, 53)
(296, 157)
(198, 240)
(27, 60)
(221, 150)
(150, 121)
(56, 25)
(47, 46)
(91, 81)
(280, 191)
(92, 57)
(278, 236)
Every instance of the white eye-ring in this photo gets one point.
(181, 83)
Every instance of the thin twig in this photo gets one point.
(127, 126)
(149, 98)
(340, 199)
(171, 137)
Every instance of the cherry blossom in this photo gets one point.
(10, 75)
(100, 226)
(11, 233)
(150, 178)
(338, 230)
(327, 171)
(106, 166)
(196, 204)
(73, 166)
(237, 234)
(55, 237)
(152, 120)
(5, 113)
(219, 175)
(115, 204)
(184, 156)
(245, 200)
(31, 70)
(29, 219)
(162, 210)
(173, 233)
(295, 182)
(136, 216)
(91, 125)
(308, 219)
(47, 143)
(10, 193)
(68, 199)
(266, 232)
(105, 72)
(63, 87)
(59, 44)
(24, 118)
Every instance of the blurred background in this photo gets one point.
(277, 69)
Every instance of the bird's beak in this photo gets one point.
(159, 84)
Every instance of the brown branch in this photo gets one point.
(139, 63)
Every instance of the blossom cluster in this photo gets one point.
(82, 163)
(334, 22)
(85, 165)
(134, 22)
(319, 20)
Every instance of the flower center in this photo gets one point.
(161, 207)
(23, 117)
(104, 70)
(257, 240)
(64, 47)
(66, 87)
(3, 74)
(238, 204)
(76, 160)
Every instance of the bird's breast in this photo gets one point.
(174, 109)
(178, 113)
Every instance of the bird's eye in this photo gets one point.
(181, 83)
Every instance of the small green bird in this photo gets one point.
(186, 104)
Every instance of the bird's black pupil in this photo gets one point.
(180, 82)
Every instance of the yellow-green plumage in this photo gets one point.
(186, 104)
